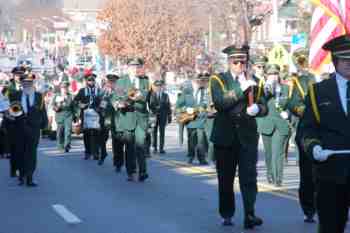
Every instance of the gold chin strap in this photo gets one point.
(260, 89)
(314, 103)
(295, 82)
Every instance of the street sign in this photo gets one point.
(279, 55)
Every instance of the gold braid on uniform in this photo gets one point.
(314, 103)
(295, 82)
(260, 90)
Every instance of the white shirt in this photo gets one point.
(342, 88)
(24, 100)
(135, 81)
(241, 78)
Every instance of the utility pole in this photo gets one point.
(275, 25)
(210, 40)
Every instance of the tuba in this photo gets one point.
(16, 109)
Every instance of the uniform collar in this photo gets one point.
(342, 82)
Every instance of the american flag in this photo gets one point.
(330, 19)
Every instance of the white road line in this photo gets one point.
(68, 216)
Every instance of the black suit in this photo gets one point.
(161, 109)
(25, 135)
(332, 175)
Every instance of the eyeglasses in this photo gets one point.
(239, 62)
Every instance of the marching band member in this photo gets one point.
(26, 119)
(89, 99)
(274, 127)
(325, 133)
(235, 136)
(133, 118)
(64, 107)
(107, 116)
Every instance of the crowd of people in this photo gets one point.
(224, 115)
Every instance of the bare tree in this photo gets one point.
(162, 32)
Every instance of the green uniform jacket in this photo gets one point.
(231, 122)
(188, 100)
(66, 111)
(137, 113)
(273, 121)
(298, 92)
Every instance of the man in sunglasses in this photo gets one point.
(234, 135)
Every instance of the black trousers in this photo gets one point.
(227, 160)
(307, 192)
(16, 142)
(91, 140)
(128, 139)
(118, 150)
(104, 134)
(161, 127)
(332, 202)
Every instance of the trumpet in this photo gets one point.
(16, 109)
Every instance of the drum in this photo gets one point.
(91, 119)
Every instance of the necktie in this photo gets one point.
(28, 102)
(348, 99)
(201, 98)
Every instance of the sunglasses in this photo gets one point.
(91, 80)
(239, 62)
(260, 67)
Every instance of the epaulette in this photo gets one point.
(217, 77)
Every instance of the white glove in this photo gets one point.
(82, 105)
(189, 111)
(284, 115)
(103, 104)
(253, 110)
(320, 154)
(246, 84)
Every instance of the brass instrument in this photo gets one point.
(300, 58)
(16, 109)
(185, 118)
(190, 115)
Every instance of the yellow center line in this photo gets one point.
(205, 172)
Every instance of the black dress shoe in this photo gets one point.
(227, 222)
(190, 161)
(13, 174)
(95, 157)
(87, 157)
(131, 178)
(309, 219)
(32, 184)
(143, 177)
(203, 162)
(21, 181)
(252, 221)
(162, 152)
(102, 160)
(66, 150)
